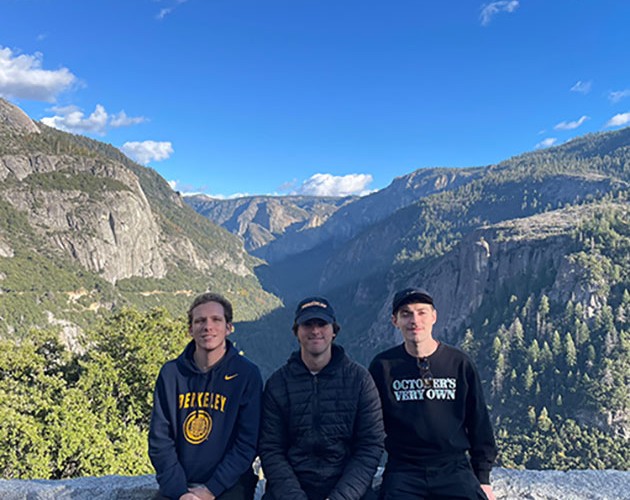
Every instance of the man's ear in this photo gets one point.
(230, 328)
(394, 320)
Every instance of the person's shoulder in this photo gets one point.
(168, 368)
(454, 352)
(241, 362)
(391, 353)
(456, 355)
(351, 367)
(279, 374)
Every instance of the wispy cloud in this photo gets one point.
(571, 125)
(546, 143)
(22, 77)
(72, 119)
(122, 120)
(489, 10)
(619, 120)
(169, 10)
(618, 95)
(582, 87)
(147, 151)
(333, 185)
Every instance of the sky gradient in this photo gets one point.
(324, 97)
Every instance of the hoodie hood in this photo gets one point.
(186, 361)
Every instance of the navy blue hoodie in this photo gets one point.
(204, 426)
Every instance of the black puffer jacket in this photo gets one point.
(322, 435)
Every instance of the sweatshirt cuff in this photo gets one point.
(215, 487)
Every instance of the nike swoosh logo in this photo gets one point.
(230, 377)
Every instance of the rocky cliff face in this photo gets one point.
(14, 121)
(260, 220)
(353, 218)
(495, 257)
(109, 229)
(93, 208)
(82, 215)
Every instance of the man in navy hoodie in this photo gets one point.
(206, 412)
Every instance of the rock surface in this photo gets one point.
(508, 485)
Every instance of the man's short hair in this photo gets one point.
(411, 296)
(211, 297)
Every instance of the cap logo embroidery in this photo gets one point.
(314, 303)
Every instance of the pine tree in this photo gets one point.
(570, 350)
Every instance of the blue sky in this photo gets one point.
(321, 97)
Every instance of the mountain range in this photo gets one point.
(528, 261)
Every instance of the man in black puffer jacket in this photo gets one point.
(322, 427)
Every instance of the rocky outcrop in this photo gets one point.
(14, 120)
(496, 257)
(508, 484)
(353, 218)
(78, 213)
(259, 220)
(88, 202)
(108, 227)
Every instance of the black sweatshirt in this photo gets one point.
(432, 421)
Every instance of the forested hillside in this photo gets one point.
(528, 261)
(528, 264)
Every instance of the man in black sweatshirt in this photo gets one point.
(439, 440)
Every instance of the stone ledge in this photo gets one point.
(508, 484)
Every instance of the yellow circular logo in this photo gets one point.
(197, 427)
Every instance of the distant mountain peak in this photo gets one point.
(13, 119)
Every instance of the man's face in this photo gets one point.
(415, 321)
(315, 336)
(209, 328)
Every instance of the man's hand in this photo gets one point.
(189, 496)
(202, 493)
(487, 489)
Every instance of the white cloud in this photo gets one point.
(571, 125)
(22, 77)
(546, 143)
(332, 185)
(122, 120)
(618, 95)
(168, 10)
(619, 120)
(146, 151)
(72, 119)
(582, 87)
(489, 10)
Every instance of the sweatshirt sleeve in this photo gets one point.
(162, 452)
(483, 448)
(240, 455)
(368, 447)
(281, 480)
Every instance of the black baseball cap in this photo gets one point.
(314, 308)
(411, 296)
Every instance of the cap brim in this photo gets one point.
(309, 315)
(413, 298)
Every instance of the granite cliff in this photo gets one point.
(104, 227)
